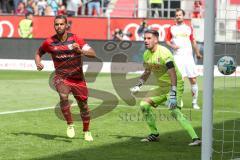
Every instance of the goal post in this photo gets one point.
(208, 80)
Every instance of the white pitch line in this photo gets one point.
(30, 110)
(26, 110)
(120, 105)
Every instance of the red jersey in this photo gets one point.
(67, 62)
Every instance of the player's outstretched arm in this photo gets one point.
(38, 59)
(89, 53)
(172, 100)
(145, 74)
(173, 77)
(141, 81)
(85, 51)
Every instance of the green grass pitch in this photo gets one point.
(41, 134)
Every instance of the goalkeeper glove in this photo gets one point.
(172, 100)
(137, 87)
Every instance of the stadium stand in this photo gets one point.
(125, 8)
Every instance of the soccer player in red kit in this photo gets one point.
(66, 50)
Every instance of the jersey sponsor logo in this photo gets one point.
(64, 56)
(155, 67)
(181, 35)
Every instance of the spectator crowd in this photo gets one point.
(81, 7)
(53, 7)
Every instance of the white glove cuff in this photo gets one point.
(174, 88)
(140, 82)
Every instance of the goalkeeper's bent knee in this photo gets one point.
(145, 106)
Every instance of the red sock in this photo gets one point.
(85, 115)
(65, 108)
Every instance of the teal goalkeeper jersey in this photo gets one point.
(156, 62)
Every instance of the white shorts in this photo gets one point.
(186, 65)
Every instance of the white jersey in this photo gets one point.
(181, 36)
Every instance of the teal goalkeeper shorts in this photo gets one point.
(160, 94)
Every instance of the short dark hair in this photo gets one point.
(61, 17)
(180, 10)
(153, 32)
(28, 14)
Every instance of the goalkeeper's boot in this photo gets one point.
(70, 131)
(88, 136)
(196, 142)
(195, 106)
(151, 138)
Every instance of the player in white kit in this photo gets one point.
(180, 38)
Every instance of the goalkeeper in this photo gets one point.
(159, 60)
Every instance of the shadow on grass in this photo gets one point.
(45, 136)
(172, 146)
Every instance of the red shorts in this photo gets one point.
(67, 86)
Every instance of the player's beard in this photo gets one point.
(60, 32)
(179, 21)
